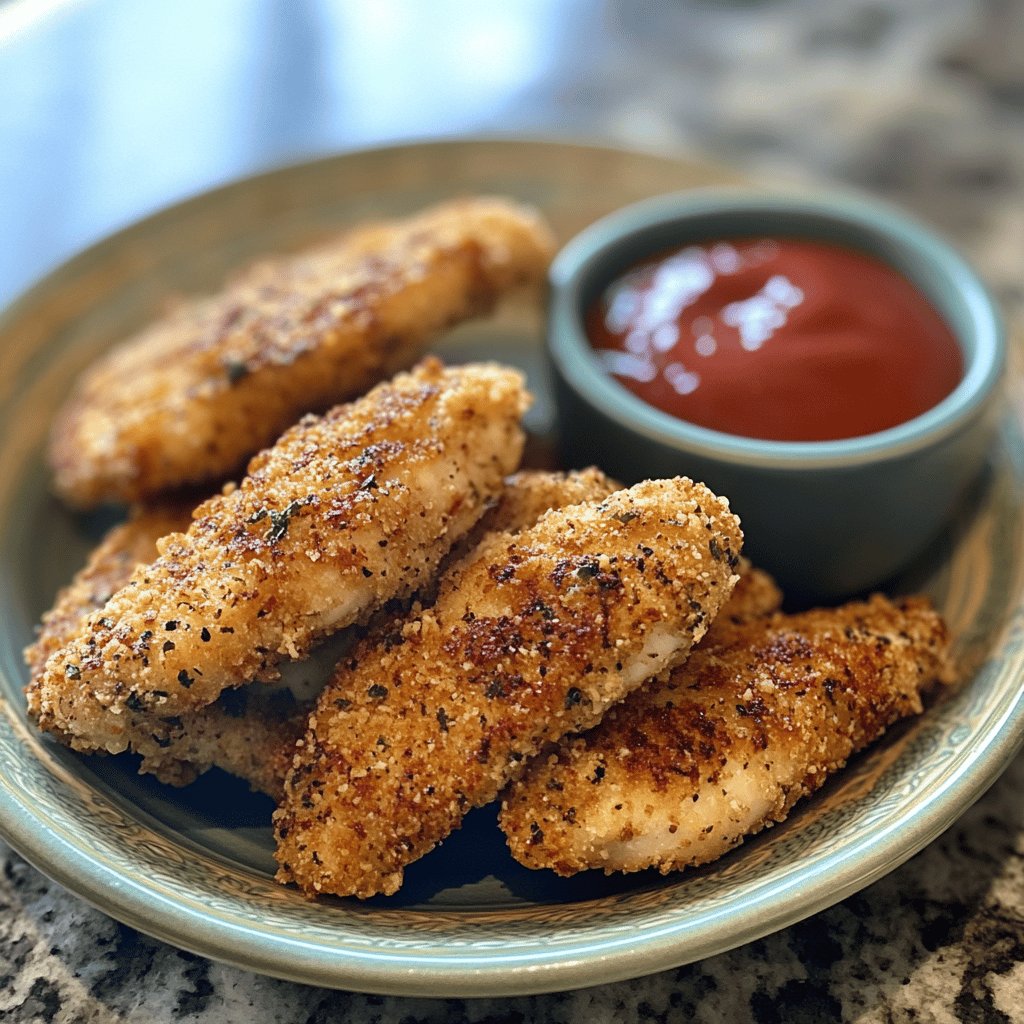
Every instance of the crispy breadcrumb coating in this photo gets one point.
(534, 635)
(107, 570)
(530, 493)
(192, 396)
(248, 732)
(756, 719)
(343, 514)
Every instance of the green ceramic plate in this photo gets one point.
(194, 866)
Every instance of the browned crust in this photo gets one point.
(346, 512)
(535, 635)
(108, 568)
(530, 493)
(191, 397)
(249, 733)
(772, 708)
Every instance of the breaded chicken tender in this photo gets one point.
(343, 514)
(248, 732)
(683, 770)
(530, 493)
(107, 570)
(190, 398)
(534, 635)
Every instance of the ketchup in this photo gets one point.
(781, 339)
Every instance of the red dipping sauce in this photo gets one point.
(780, 339)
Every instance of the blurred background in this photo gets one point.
(110, 109)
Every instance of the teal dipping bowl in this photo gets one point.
(828, 518)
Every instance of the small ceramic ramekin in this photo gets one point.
(827, 518)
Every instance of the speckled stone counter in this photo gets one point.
(921, 101)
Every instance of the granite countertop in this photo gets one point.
(922, 102)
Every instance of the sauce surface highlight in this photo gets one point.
(779, 339)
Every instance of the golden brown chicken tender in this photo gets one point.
(248, 732)
(759, 716)
(191, 397)
(534, 635)
(343, 514)
(107, 570)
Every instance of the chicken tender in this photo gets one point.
(530, 493)
(682, 771)
(343, 514)
(534, 635)
(107, 570)
(249, 732)
(191, 397)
